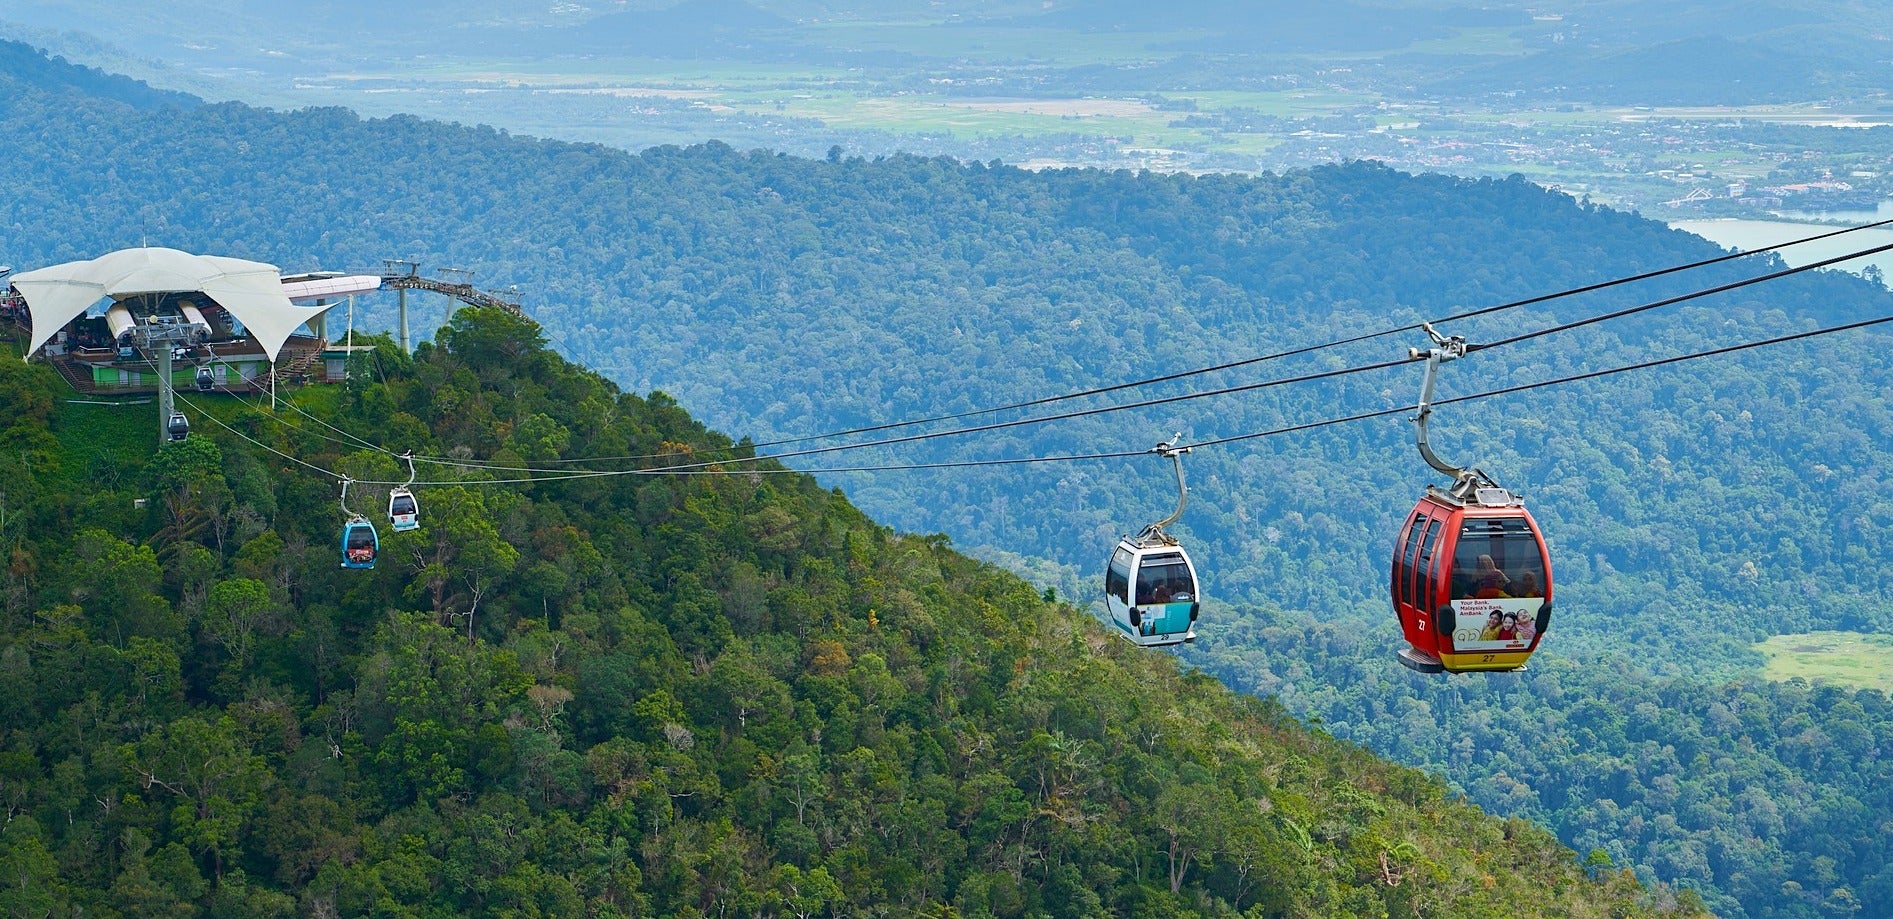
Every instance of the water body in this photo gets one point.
(1749, 235)
(1883, 212)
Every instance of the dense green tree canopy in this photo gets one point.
(652, 695)
(1691, 511)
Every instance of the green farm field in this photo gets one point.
(1505, 40)
(1285, 103)
(620, 73)
(969, 117)
(1848, 658)
(999, 45)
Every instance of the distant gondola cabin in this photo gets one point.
(404, 513)
(360, 543)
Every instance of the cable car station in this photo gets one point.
(148, 320)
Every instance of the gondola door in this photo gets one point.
(1117, 590)
(1416, 560)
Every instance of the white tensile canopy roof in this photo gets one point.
(251, 291)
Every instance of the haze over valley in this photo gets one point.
(1697, 110)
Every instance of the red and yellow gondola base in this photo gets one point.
(1484, 660)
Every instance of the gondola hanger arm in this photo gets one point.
(1170, 449)
(1466, 480)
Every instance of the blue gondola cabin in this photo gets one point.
(1151, 593)
(360, 544)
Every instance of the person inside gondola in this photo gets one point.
(1153, 584)
(1180, 591)
(1527, 586)
(1492, 579)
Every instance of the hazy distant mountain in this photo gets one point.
(353, 13)
(22, 65)
(691, 27)
(1280, 27)
(1633, 22)
(1672, 73)
(1607, 51)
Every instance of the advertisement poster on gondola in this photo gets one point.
(1497, 624)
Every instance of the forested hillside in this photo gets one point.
(1691, 510)
(637, 695)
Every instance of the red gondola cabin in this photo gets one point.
(1471, 583)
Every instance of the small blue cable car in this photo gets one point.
(360, 543)
(1150, 588)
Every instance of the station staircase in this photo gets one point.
(294, 370)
